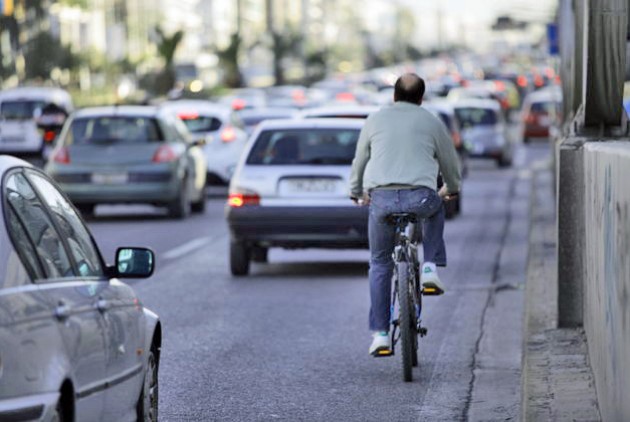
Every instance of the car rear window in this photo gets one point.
(304, 147)
(197, 124)
(473, 116)
(19, 110)
(338, 116)
(90, 130)
(542, 107)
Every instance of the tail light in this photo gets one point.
(499, 85)
(530, 119)
(238, 104)
(61, 156)
(522, 81)
(457, 139)
(164, 154)
(228, 134)
(49, 136)
(243, 199)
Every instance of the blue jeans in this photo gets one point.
(427, 205)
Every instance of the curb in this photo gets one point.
(557, 380)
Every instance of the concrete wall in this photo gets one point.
(607, 264)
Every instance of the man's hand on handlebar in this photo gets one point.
(361, 201)
(446, 195)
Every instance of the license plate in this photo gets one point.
(109, 178)
(311, 186)
(12, 139)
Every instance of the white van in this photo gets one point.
(19, 107)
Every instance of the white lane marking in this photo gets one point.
(187, 247)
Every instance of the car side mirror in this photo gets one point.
(134, 262)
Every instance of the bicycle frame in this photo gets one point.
(406, 250)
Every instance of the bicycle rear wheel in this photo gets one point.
(406, 320)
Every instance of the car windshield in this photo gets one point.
(109, 129)
(473, 116)
(16, 110)
(305, 146)
(200, 124)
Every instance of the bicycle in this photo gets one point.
(406, 307)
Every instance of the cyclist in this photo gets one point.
(401, 150)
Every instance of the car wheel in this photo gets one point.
(504, 161)
(86, 209)
(147, 406)
(199, 207)
(260, 254)
(180, 206)
(57, 415)
(450, 209)
(239, 258)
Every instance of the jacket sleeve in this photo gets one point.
(447, 159)
(361, 158)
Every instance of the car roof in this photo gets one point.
(477, 103)
(200, 106)
(344, 110)
(440, 106)
(124, 111)
(8, 161)
(315, 123)
(268, 111)
(544, 95)
(50, 94)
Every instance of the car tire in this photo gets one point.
(504, 161)
(58, 415)
(179, 208)
(239, 258)
(525, 140)
(86, 210)
(199, 207)
(260, 254)
(147, 406)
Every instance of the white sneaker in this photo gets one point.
(430, 279)
(381, 344)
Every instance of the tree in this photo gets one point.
(167, 46)
(282, 47)
(43, 53)
(229, 62)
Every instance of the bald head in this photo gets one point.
(409, 88)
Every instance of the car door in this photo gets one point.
(31, 353)
(115, 301)
(80, 324)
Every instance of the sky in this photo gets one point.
(469, 20)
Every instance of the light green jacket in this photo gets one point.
(403, 145)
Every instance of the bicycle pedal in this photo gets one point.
(432, 291)
(383, 353)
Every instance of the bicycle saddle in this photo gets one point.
(401, 218)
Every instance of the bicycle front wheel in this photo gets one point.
(406, 319)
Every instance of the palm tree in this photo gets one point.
(229, 60)
(167, 46)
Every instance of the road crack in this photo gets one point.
(491, 295)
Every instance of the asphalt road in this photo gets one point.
(290, 341)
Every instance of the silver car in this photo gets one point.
(221, 128)
(75, 342)
(129, 154)
(483, 130)
(291, 190)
